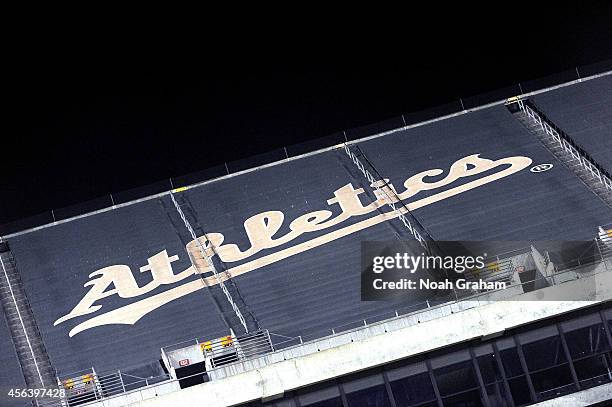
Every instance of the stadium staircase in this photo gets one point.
(566, 150)
(35, 363)
(605, 240)
(225, 307)
(414, 229)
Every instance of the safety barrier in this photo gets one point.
(567, 146)
(384, 190)
(88, 387)
(209, 262)
(226, 350)
(604, 240)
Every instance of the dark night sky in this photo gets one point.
(85, 119)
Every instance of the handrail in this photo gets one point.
(209, 261)
(391, 201)
(23, 327)
(567, 144)
(581, 150)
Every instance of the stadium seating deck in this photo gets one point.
(292, 292)
(548, 205)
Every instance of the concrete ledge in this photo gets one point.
(402, 340)
(582, 398)
(139, 396)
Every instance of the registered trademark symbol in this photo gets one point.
(541, 167)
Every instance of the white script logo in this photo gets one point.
(261, 230)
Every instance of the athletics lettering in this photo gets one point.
(261, 230)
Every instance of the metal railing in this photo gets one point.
(85, 387)
(393, 201)
(210, 263)
(243, 348)
(498, 270)
(14, 283)
(21, 322)
(567, 146)
(604, 240)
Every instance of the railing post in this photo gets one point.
(96, 384)
(601, 254)
(121, 379)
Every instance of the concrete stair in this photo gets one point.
(223, 305)
(35, 363)
(592, 183)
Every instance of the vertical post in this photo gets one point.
(121, 379)
(286, 153)
(388, 388)
(434, 384)
(568, 357)
(602, 256)
(226, 168)
(606, 327)
(500, 367)
(483, 389)
(345, 138)
(53, 215)
(519, 350)
(521, 89)
(269, 340)
(462, 106)
(578, 74)
(112, 200)
(96, 384)
(342, 393)
(403, 119)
